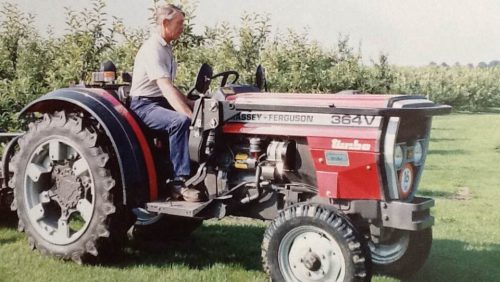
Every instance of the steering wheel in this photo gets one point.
(205, 76)
(191, 96)
(225, 75)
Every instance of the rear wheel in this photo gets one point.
(403, 252)
(67, 199)
(311, 243)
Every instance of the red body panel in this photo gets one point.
(361, 178)
(300, 130)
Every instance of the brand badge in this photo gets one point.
(354, 145)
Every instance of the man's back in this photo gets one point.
(153, 61)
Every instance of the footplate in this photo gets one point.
(178, 208)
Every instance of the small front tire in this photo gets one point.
(311, 243)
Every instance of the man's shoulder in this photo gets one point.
(152, 44)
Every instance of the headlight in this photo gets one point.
(398, 156)
(406, 181)
(418, 152)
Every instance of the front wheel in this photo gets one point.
(311, 243)
(403, 252)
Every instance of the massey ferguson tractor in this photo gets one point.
(335, 174)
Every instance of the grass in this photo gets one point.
(462, 175)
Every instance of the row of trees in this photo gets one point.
(32, 64)
(491, 64)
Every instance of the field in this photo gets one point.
(462, 174)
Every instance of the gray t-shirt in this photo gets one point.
(153, 61)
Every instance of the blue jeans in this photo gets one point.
(155, 113)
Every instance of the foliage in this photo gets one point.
(473, 89)
(22, 60)
(32, 64)
(80, 51)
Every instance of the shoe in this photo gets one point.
(181, 192)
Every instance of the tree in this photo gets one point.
(482, 65)
(15, 29)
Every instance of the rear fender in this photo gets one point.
(137, 171)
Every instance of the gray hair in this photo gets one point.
(166, 12)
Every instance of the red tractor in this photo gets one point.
(336, 174)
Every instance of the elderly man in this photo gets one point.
(157, 102)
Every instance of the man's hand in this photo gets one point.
(174, 97)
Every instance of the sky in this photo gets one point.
(411, 32)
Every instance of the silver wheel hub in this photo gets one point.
(307, 253)
(392, 249)
(144, 217)
(59, 192)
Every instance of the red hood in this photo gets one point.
(313, 100)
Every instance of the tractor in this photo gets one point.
(335, 174)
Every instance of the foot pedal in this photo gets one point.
(178, 208)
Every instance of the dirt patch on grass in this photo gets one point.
(462, 194)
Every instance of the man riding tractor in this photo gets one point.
(156, 100)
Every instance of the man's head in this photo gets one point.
(170, 21)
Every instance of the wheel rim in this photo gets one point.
(59, 191)
(307, 253)
(392, 249)
(144, 217)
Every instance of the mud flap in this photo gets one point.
(7, 141)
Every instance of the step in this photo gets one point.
(179, 208)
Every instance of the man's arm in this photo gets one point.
(174, 97)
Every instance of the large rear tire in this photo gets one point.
(402, 254)
(311, 243)
(68, 200)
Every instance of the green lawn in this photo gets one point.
(462, 174)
